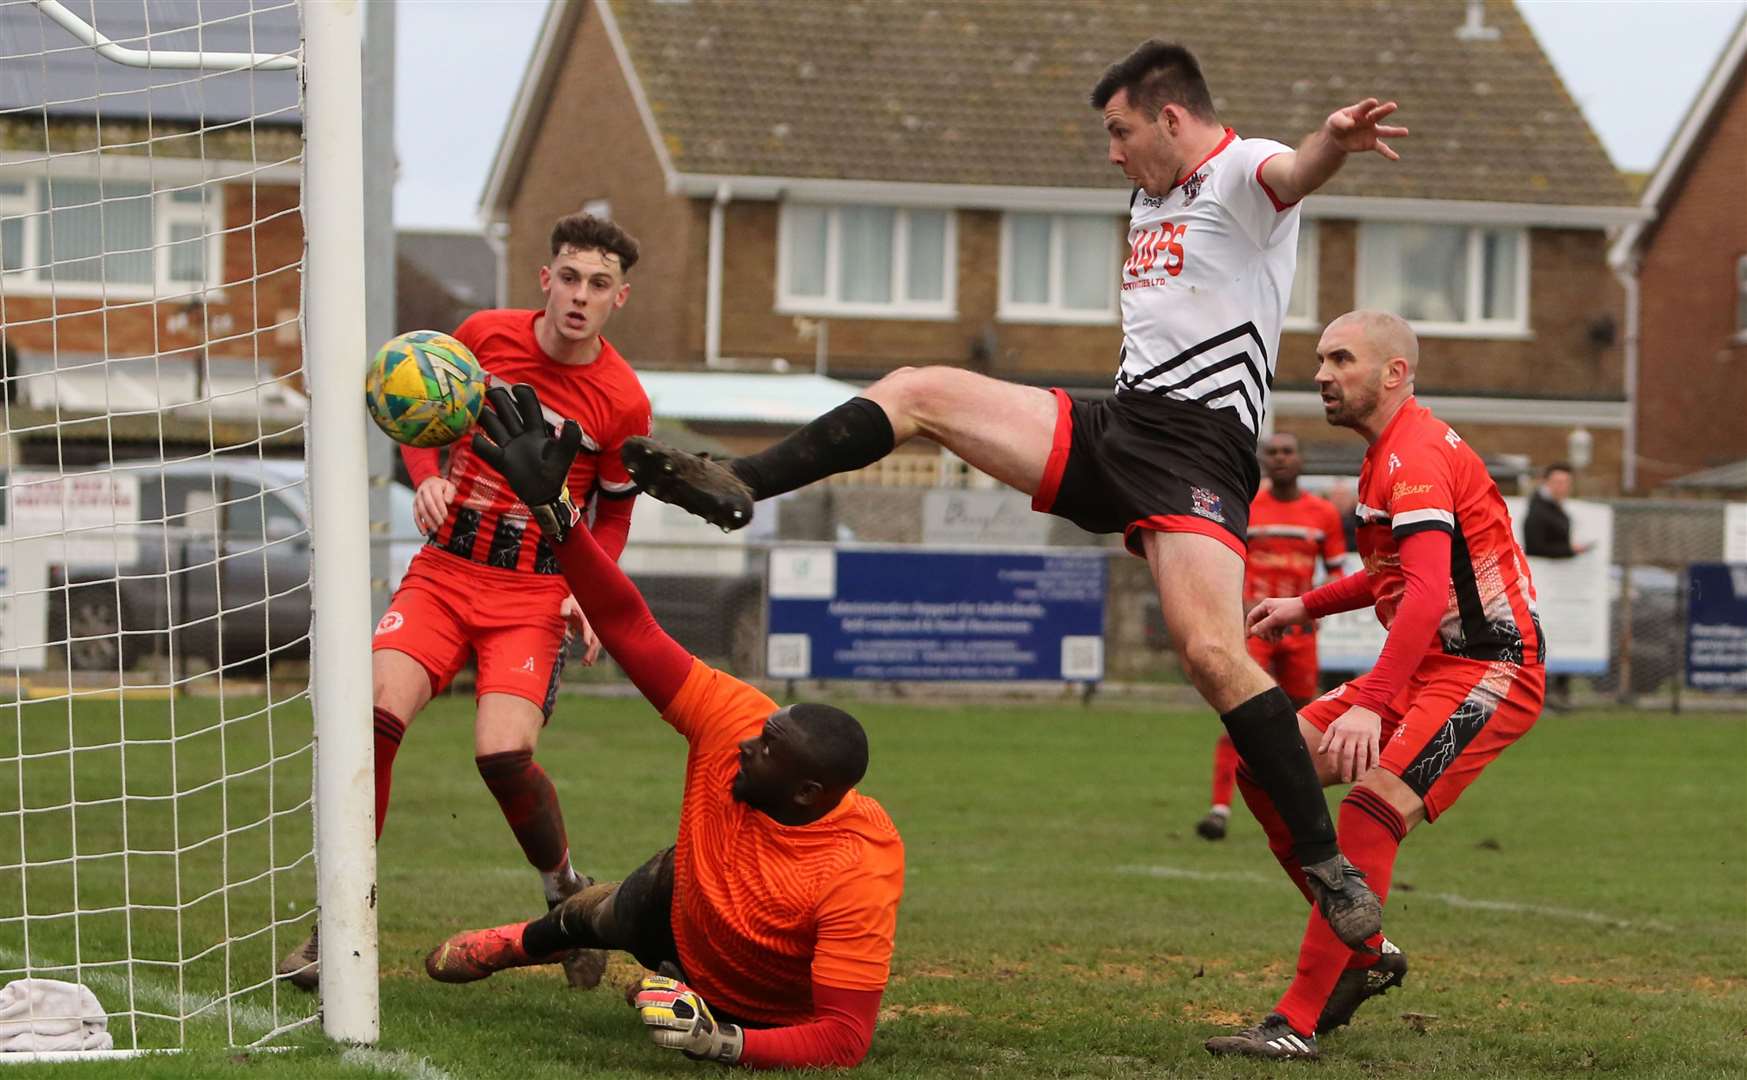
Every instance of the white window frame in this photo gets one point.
(1515, 329)
(899, 307)
(1053, 311)
(1309, 261)
(33, 208)
(1741, 300)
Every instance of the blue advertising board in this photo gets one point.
(911, 613)
(1716, 626)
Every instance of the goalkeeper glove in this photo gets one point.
(517, 444)
(678, 1019)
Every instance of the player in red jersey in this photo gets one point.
(1289, 530)
(487, 584)
(1461, 676)
(778, 904)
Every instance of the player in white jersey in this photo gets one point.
(1170, 459)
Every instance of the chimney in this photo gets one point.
(1475, 29)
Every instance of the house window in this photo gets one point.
(1301, 307)
(1059, 268)
(1452, 279)
(1741, 298)
(878, 261)
(89, 237)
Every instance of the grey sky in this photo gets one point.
(450, 115)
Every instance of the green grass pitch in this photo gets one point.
(1582, 910)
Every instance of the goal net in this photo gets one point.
(158, 766)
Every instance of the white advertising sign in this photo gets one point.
(1573, 593)
(982, 519)
(1735, 533)
(23, 603)
(1572, 597)
(92, 518)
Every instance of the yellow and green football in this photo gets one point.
(424, 389)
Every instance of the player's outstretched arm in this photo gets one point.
(535, 465)
(1356, 129)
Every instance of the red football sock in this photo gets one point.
(1224, 770)
(1370, 835)
(530, 804)
(390, 729)
(1279, 836)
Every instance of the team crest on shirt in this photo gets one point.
(1192, 186)
(1206, 504)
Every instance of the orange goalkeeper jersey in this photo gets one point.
(762, 910)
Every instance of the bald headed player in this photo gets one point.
(778, 905)
(1460, 678)
(1289, 530)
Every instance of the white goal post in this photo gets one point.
(183, 518)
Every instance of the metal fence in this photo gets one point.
(717, 609)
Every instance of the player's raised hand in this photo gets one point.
(1353, 741)
(678, 1019)
(1271, 617)
(1359, 128)
(517, 444)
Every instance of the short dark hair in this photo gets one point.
(585, 232)
(1557, 466)
(1156, 74)
(833, 741)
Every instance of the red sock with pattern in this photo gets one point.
(1370, 835)
(1224, 770)
(390, 729)
(529, 803)
(1279, 836)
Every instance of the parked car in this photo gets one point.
(1656, 628)
(216, 565)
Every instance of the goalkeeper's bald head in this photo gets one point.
(800, 766)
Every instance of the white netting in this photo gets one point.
(155, 762)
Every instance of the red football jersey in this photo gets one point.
(1285, 540)
(486, 522)
(1419, 474)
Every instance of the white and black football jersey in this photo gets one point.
(1206, 284)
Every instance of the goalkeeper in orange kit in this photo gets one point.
(778, 904)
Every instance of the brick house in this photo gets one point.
(150, 234)
(1686, 270)
(864, 186)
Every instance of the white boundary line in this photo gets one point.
(1455, 900)
(398, 1062)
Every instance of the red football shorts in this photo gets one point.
(448, 607)
(1452, 719)
(1290, 661)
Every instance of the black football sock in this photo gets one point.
(1265, 731)
(553, 932)
(855, 434)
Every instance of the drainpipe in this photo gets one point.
(713, 280)
(1627, 273)
(497, 237)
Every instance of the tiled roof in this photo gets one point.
(44, 69)
(995, 92)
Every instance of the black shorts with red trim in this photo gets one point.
(1138, 461)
